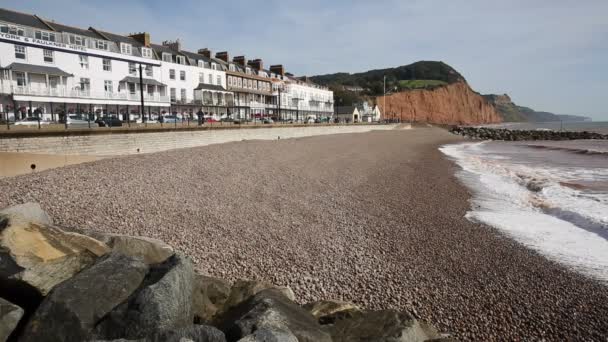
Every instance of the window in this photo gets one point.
(249, 84)
(125, 49)
(84, 61)
(201, 64)
(255, 85)
(108, 86)
(213, 66)
(85, 85)
(172, 93)
(48, 56)
(107, 64)
(183, 95)
(180, 59)
(12, 29)
(248, 71)
(149, 71)
(131, 88)
(167, 57)
(21, 80)
(232, 67)
(132, 69)
(240, 80)
(78, 40)
(145, 52)
(219, 80)
(20, 52)
(182, 75)
(229, 79)
(201, 77)
(101, 45)
(43, 35)
(172, 74)
(210, 79)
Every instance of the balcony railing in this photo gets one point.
(79, 93)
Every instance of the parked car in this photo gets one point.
(310, 120)
(108, 121)
(150, 121)
(75, 120)
(170, 119)
(317, 120)
(31, 121)
(267, 120)
(211, 120)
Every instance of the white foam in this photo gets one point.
(501, 199)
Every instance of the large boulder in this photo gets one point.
(37, 255)
(270, 309)
(163, 302)
(194, 333)
(381, 326)
(10, 314)
(73, 308)
(270, 335)
(209, 297)
(327, 311)
(245, 289)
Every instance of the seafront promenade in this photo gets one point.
(375, 218)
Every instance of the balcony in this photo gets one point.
(64, 92)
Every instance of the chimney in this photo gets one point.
(143, 38)
(205, 52)
(240, 60)
(257, 64)
(223, 56)
(277, 69)
(173, 45)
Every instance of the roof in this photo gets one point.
(119, 38)
(148, 81)
(74, 30)
(195, 56)
(37, 69)
(21, 19)
(203, 86)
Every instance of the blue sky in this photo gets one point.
(551, 55)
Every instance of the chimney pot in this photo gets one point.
(205, 52)
(223, 56)
(143, 38)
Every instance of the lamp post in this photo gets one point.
(384, 97)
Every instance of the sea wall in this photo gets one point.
(485, 133)
(452, 104)
(95, 286)
(132, 143)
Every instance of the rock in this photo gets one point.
(270, 309)
(40, 255)
(381, 326)
(244, 289)
(326, 311)
(194, 333)
(163, 302)
(152, 251)
(10, 314)
(74, 307)
(270, 335)
(209, 297)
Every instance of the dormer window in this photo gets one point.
(201, 64)
(44, 35)
(12, 29)
(167, 57)
(101, 45)
(126, 49)
(232, 68)
(248, 71)
(180, 60)
(78, 40)
(146, 52)
(213, 66)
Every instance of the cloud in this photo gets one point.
(547, 54)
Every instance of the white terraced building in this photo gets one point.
(49, 69)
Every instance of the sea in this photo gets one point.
(551, 196)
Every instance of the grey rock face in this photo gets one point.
(194, 333)
(74, 307)
(381, 326)
(270, 309)
(209, 297)
(270, 335)
(244, 289)
(10, 314)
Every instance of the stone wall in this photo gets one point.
(130, 143)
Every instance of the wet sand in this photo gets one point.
(376, 218)
(12, 164)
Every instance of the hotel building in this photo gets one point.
(49, 70)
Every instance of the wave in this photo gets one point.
(529, 203)
(569, 149)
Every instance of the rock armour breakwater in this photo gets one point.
(485, 133)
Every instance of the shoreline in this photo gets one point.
(376, 218)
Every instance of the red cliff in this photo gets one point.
(456, 103)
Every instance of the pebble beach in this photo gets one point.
(372, 218)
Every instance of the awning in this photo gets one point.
(147, 81)
(37, 69)
(203, 86)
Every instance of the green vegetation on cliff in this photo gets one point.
(511, 112)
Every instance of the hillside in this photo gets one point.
(511, 112)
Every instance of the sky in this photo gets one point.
(550, 55)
